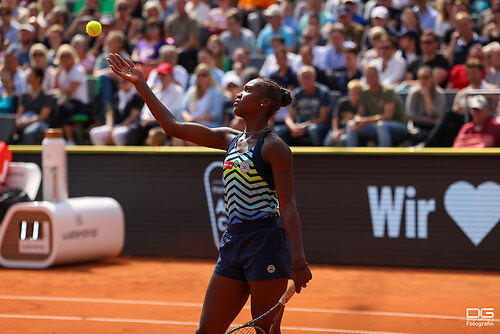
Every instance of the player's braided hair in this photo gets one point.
(279, 96)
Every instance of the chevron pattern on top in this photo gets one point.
(247, 195)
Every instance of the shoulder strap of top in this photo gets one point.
(263, 168)
(233, 143)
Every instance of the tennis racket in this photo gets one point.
(251, 327)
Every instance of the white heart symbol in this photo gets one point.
(475, 210)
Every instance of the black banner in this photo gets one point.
(396, 209)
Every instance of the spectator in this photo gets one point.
(374, 35)
(60, 16)
(491, 32)
(88, 12)
(314, 7)
(270, 65)
(34, 110)
(426, 13)
(218, 15)
(184, 31)
(446, 18)
(153, 10)
(381, 114)
(482, 131)
(10, 26)
(126, 106)
(284, 76)
(380, 16)
(71, 89)
(352, 5)
(409, 46)
(410, 21)
(236, 36)
(136, 8)
(231, 86)
(425, 103)
(38, 58)
(274, 16)
(169, 93)
(198, 9)
(252, 10)
(444, 133)
(311, 38)
(8, 99)
(241, 61)
(462, 39)
(27, 36)
(345, 110)
(288, 6)
(353, 30)
(492, 55)
(332, 55)
(206, 56)
(307, 58)
(203, 102)
(351, 71)
(114, 43)
(431, 57)
(167, 9)
(125, 22)
(146, 51)
(215, 46)
(156, 137)
(11, 63)
(168, 54)
(458, 77)
(55, 38)
(44, 8)
(87, 59)
(391, 68)
(307, 120)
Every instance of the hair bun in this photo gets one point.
(286, 97)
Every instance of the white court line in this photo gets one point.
(199, 305)
(177, 323)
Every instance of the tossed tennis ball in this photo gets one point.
(94, 28)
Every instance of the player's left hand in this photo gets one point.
(301, 278)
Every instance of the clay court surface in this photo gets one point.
(152, 295)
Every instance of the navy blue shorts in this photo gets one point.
(254, 251)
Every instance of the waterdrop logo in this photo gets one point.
(476, 211)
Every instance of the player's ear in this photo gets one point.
(265, 103)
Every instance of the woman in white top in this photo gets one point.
(71, 89)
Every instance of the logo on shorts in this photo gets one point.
(271, 269)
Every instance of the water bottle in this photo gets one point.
(54, 166)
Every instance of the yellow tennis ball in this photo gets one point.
(94, 28)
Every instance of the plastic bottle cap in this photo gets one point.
(53, 133)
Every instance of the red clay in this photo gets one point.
(152, 295)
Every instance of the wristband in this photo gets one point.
(301, 267)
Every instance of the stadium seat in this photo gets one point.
(7, 127)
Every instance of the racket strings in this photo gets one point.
(249, 330)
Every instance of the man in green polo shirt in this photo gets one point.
(381, 115)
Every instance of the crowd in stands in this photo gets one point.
(422, 73)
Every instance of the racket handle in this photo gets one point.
(288, 294)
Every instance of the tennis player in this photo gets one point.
(257, 255)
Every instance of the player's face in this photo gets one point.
(248, 100)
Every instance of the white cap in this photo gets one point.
(478, 102)
(231, 78)
(273, 10)
(380, 12)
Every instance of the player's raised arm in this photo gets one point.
(191, 132)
